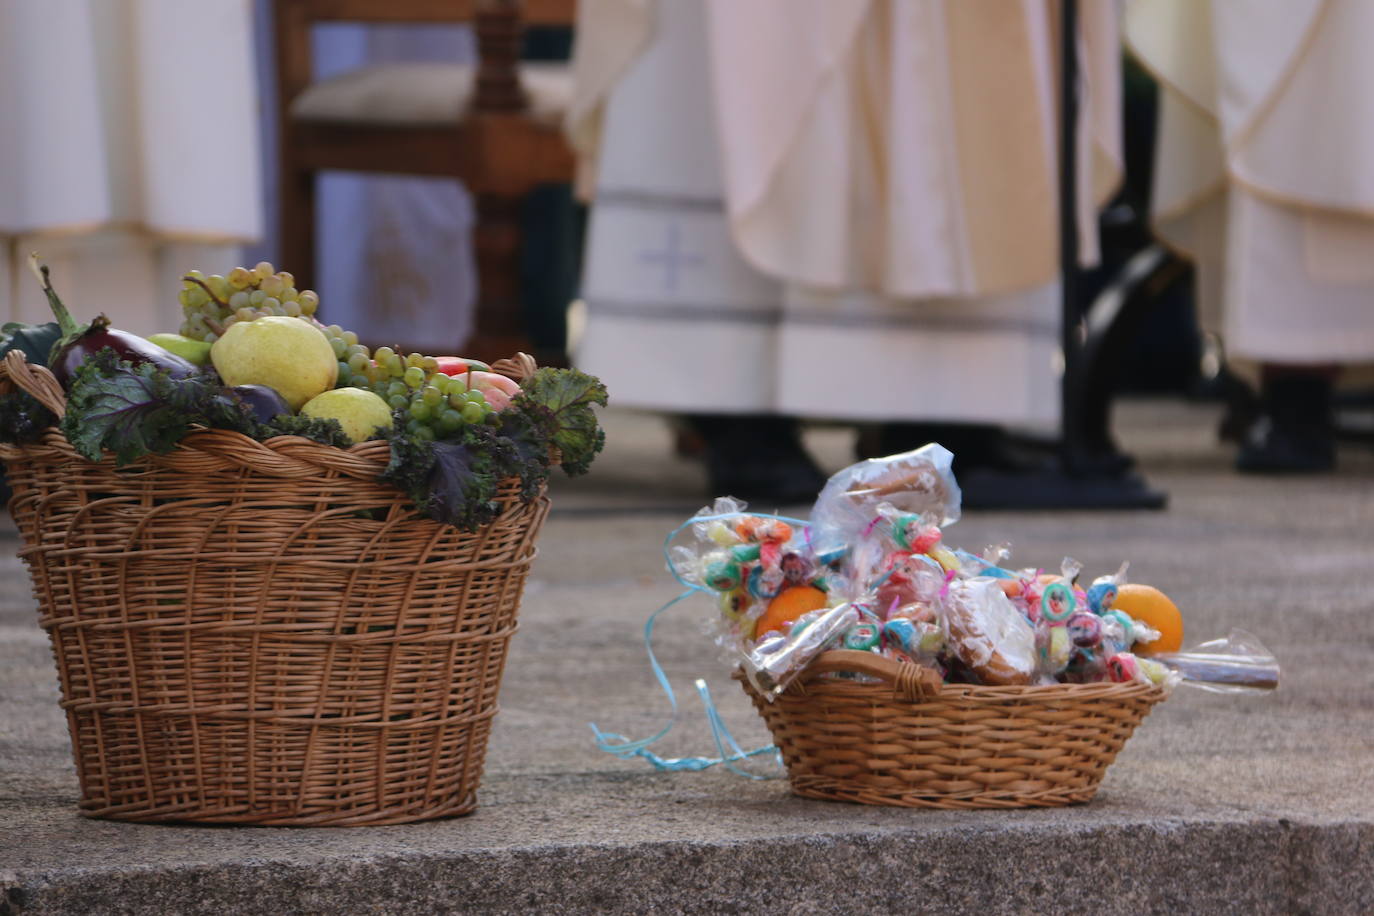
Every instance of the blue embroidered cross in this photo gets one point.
(671, 257)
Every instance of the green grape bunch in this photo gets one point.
(210, 305)
(432, 404)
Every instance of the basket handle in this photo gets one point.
(909, 681)
(35, 380)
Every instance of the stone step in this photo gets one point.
(1253, 804)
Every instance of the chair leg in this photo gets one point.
(550, 261)
(296, 224)
(499, 327)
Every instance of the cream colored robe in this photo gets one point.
(837, 208)
(1265, 167)
(129, 152)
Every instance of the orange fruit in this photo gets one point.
(1149, 605)
(788, 605)
(1012, 588)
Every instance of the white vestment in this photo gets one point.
(1265, 167)
(129, 152)
(832, 208)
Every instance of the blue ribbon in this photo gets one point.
(625, 749)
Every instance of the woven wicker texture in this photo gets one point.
(911, 742)
(262, 632)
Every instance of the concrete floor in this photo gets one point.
(1219, 803)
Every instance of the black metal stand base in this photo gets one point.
(1057, 488)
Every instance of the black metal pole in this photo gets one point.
(1071, 313)
(1076, 481)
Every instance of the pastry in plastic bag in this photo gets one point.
(918, 482)
(988, 634)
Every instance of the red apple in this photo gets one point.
(457, 365)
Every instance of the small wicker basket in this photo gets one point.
(914, 742)
(262, 632)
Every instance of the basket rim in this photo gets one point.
(802, 689)
(279, 456)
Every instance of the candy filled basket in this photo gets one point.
(893, 668)
(262, 632)
(901, 737)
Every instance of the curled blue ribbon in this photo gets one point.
(624, 748)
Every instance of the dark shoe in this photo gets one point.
(1273, 449)
(1295, 433)
(757, 458)
(1243, 410)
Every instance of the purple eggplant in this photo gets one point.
(82, 341)
(265, 402)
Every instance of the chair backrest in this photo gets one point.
(498, 24)
(532, 12)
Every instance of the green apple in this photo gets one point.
(193, 351)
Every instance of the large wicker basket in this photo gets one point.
(262, 632)
(911, 741)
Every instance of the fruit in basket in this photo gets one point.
(80, 341)
(196, 352)
(1151, 606)
(418, 384)
(789, 605)
(128, 397)
(213, 304)
(279, 351)
(437, 405)
(440, 395)
(361, 413)
(457, 365)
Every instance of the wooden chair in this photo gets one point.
(498, 131)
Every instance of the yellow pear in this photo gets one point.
(361, 413)
(284, 353)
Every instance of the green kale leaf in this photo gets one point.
(528, 433)
(325, 430)
(130, 410)
(559, 402)
(223, 410)
(453, 480)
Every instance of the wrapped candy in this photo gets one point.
(776, 659)
(872, 572)
(1126, 668)
(864, 637)
(1236, 663)
(1102, 593)
(910, 588)
(917, 641)
(1053, 645)
(1084, 629)
(919, 535)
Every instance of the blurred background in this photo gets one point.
(752, 218)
